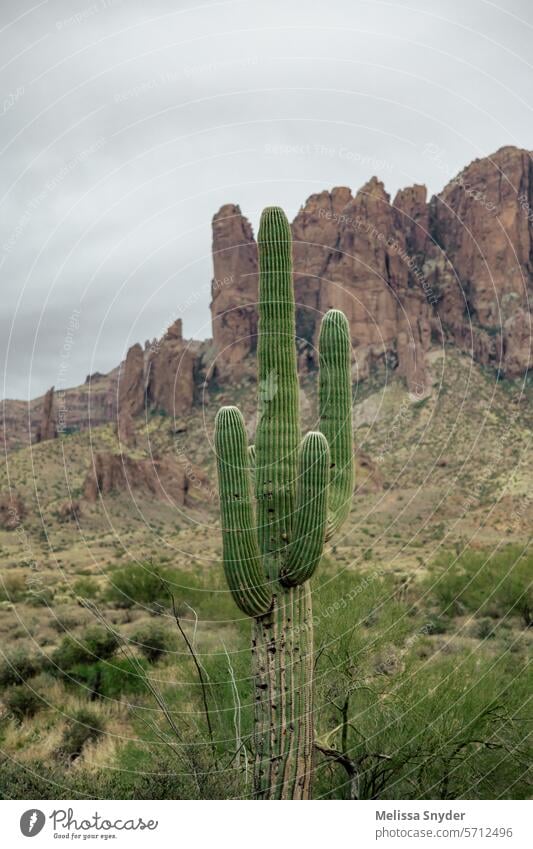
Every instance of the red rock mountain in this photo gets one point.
(410, 274)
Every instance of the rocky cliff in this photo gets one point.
(409, 274)
(233, 289)
(160, 377)
(90, 405)
(47, 428)
(479, 259)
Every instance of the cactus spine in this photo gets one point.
(272, 542)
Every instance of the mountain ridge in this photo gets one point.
(412, 275)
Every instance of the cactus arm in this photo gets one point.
(335, 406)
(278, 432)
(242, 561)
(311, 513)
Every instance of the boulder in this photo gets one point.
(12, 511)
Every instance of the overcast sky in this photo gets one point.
(125, 125)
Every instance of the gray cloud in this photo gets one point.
(125, 125)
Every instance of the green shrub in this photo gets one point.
(82, 728)
(13, 588)
(64, 620)
(18, 666)
(484, 629)
(450, 728)
(86, 588)
(157, 773)
(436, 625)
(123, 675)
(21, 702)
(27, 781)
(110, 679)
(148, 774)
(495, 584)
(153, 640)
(96, 644)
(150, 587)
(138, 584)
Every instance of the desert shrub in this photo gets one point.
(452, 726)
(34, 780)
(207, 594)
(151, 587)
(84, 727)
(408, 721)
(229, 692)
(13, 588)
(359, 616)
(18, 666)
(153, 640)
(40, 596)
(139, 584)
(123, 675)
(95, 644)
(64, 620)
(110, 679)
(495, 584)
(484, 629)
(436, 625)
(21, 702)
(151, 773)
(86, 588)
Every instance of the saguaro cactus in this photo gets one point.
(272, 543)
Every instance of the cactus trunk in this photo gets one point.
(272, 543)
(282, 650)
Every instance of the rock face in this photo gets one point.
(161, 377)
(47, 427)
(69, 511)
(350, 254)
(170, 381)
(367, 276)
(90, 405)
(481, 262)
(233, 289)
(517, 335)
(315, 232)
(131, 393)
(132, 382)
(163, 478)
(408, 274)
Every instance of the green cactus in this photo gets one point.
(272, 542)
